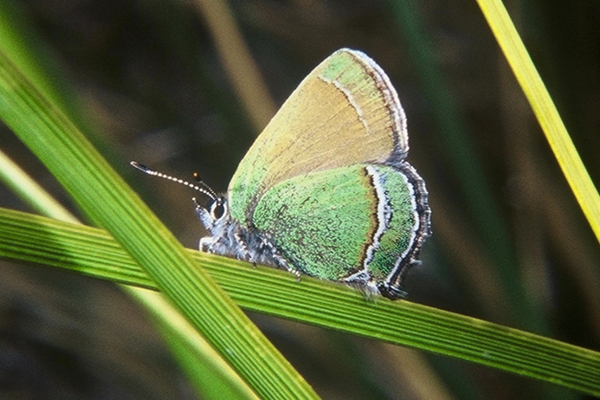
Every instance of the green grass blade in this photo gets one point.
(91, 251)
(544, 109)
(107, 200)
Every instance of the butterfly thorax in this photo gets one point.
(229, 237)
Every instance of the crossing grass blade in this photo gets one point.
(107, 200)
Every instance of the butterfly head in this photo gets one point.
(215, 214)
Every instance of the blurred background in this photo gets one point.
(186, 86)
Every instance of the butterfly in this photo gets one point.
(325, 190)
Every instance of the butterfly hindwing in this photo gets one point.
(337, 225)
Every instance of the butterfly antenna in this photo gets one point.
(199, 180)
(200, 187)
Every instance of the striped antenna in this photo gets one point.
(200, 186)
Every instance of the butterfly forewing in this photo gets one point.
(345, 112)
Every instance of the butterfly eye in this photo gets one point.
(217, 209)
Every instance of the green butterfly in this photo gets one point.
(325, 190)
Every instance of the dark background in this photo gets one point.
(510, 243)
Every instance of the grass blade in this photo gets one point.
(93, 252)
(544, 109)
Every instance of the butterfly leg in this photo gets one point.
(207, 243)
(214, 245)
(279, 260)
(246, 254)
